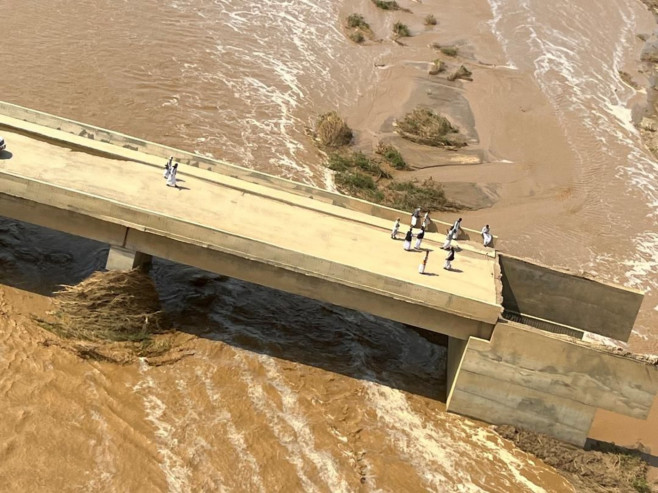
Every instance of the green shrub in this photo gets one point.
(448, 50)
(357, 20)
(386, 4)
(357, 37)
(401, 30)
(430, 20)
(354, 179)
(408, 195)
(392, 155)
(332, 131)
(423, 126)
(344, 162)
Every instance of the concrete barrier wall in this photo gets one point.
(122, 141)
(562, 297)
(548, 383)
(398, 300)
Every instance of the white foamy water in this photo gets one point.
(576, 51)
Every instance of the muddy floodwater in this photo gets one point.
(282, 393)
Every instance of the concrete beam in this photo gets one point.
(317, 287)
(122, 259)
(548, 383)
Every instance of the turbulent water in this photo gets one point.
(281, 393)
(576, 51)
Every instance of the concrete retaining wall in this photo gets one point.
(548, 383)
(562, 297)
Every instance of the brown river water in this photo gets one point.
(284, 393)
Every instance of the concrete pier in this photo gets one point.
(123, 259)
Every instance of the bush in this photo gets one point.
(423, 126)
(355, 180)
(357, 20)
(345, 162)
(392, 155)
(386, 4)
(437, 67)
(408, 195)
(357, 37)
(401, 30)
(332, 131)
(448, 50)
(430, 20)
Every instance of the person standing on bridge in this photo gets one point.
(456, 228)
(171, 181)
(415, 215)
(486, 236)
(407, 240)
(396, 228)
(423, 264)
(449, 259)
(426, 219)
(419, 237)
(446, 245)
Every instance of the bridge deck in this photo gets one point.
(275, 217)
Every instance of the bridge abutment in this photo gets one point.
(123, 259)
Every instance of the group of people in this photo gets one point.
(451, 234)
(170, 171)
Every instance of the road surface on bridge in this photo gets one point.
(275, 217)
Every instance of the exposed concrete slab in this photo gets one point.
(563, 297)
(548, 383)
(348, 251)
(111, 143)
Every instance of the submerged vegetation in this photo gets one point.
(423, 126)
(437, 67)
(110, 316)
(401, 30)
(430, 20)
(386, 4)
(360, 28)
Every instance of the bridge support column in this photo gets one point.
(124, 259)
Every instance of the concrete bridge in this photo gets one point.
(107, 186)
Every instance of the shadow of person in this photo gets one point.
(6, 155)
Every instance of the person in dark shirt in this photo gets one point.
(419, 238)
(449, 259)
(407, 240)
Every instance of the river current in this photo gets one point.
(282, 393)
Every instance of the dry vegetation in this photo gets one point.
(423, 126)
(110, 316)
(370, 177)
(608, 468)
(331, 131)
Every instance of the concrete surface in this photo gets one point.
(123, 259)
(562, 297)
(116, 144)
(262, 225)
(548, 383)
